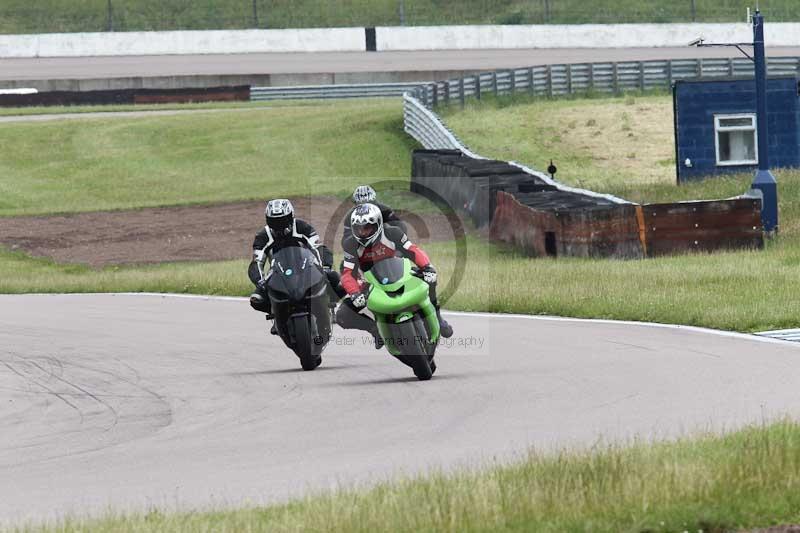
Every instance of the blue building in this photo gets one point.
(715, 125)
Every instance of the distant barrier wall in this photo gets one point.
(576, 36)
(127, 96)
(182, 42)
(385, 39)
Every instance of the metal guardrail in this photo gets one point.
(561, 80)
(314, 92)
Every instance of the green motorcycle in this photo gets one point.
(404, 313)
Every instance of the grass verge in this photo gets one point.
(739, 291)
(712, 484)
(117, 163)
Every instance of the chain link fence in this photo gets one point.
(52, 16)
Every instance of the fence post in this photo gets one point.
(513, 81)
(401, 9)
(569, 80)
(549, 81)
(478, 86)
(255, 14)
(435, 95)
(110, 16)
(494, 82)
(531, 86)
(641, 76)
(694, 10)
(699, 68)
(615, 76)
(461, 92)
(591, 77)
(730, 66)
(670, 75)
(447, 92)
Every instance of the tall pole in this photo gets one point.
(110, 15)
(764, 180)
(255, 14)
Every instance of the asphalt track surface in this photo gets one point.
(128, 402)
(303, 63)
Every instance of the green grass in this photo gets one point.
(83, 109)
(226, 155)
(713, 484)
(18, 16)
(742, 291)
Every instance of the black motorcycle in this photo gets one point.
(301, 303)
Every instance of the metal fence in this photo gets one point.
(560, 80)
(313, 92)
(47, 16)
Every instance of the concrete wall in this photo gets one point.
(388, 39)
(182, 42)
(576, 36)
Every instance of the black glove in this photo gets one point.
(261, 286)
(359, 300)
(429, 275)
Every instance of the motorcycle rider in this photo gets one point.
(282, 230)
(369, 242)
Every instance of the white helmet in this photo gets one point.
(280, 217)
(364, 194)
(367, 224)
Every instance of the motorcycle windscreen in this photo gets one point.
(294, 271)
(389, 270)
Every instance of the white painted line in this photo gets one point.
(694, 329)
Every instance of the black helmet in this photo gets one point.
(367, 224)
(280, 217)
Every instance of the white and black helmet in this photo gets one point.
(367, 224)
(280, 217)
(364, 194)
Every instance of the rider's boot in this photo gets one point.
(257, 301)
(274, 329)
(377, 337)
(445, 329)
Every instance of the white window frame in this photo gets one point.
(753, 128)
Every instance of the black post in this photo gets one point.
(110, 17)
(764, 180)
(255, 14)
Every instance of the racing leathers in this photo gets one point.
(358, 259)
(266, 243)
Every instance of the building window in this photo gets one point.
(736, 139)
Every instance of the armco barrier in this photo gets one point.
(310, 92)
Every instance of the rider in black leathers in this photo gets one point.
(283, 230)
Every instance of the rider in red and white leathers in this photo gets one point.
(369, 242)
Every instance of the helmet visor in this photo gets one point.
(280, 225)
(364, 231)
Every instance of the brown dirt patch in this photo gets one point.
(192, 233)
